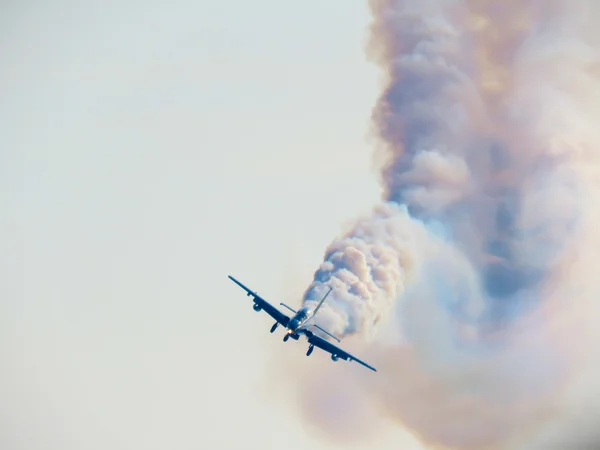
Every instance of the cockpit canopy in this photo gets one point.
(303, 313)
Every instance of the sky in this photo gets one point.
(147, 151)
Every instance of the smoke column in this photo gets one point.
(482, 253)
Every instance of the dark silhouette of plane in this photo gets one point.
(298, 324)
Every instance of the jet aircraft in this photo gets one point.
(298, 324)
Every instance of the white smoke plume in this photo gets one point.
(483, 254)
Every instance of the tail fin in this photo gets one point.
(321, 302)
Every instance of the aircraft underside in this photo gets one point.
(296, 336)
(296, 322)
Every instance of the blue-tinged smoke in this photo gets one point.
(480, 254)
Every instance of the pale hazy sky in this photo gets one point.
(148, 150)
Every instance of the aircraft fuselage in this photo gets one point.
(296, 323)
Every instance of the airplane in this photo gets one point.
(298, 324)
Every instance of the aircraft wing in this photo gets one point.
(318, 341)
(263, 304)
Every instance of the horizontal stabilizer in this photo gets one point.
(325, 331)
(288, 307)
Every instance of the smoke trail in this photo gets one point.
(480, 254)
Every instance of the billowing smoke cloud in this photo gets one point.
(482, 255)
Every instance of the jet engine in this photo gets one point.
(256, 307)
(334, 357)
